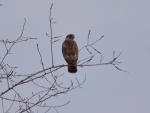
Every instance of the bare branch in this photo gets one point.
(55, 40)
(88, 37)
(78, 83)
(11, 104)
(2, 105)
(13, 43)
(50, 20)
(101, 59)
(47, 110)
(90, 45)
(40, 57)
(97, 40)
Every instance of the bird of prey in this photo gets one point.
(70, 53)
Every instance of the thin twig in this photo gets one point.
(96, 40)
(50, 20)
(101, 59)
(90, 45)
(14, 42)
(47, 110)
(11, 104)
(88, 37)
(40, 58)
(78, 83)
(2, 105)
(55, 40)
(56, 110)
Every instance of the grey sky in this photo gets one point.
(126, 27)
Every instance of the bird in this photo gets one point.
(70, 53)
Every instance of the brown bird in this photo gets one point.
(70, 53)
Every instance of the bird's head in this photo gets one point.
(70, 37)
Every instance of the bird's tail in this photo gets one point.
(72, 69)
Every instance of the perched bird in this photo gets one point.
(70, 53)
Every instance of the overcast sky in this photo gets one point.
(125, 26)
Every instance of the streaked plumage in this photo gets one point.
(70, 53)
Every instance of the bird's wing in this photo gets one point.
(75, 51)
